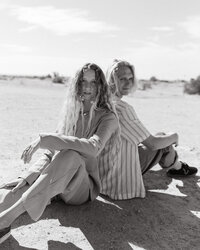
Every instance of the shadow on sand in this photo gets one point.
(160, 221)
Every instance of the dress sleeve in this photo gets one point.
(91, 146)
(132, 129)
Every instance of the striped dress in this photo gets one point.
(122, 179)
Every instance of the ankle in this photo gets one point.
(177, 166)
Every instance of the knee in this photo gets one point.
(70, 155)
(69, 158)
(169, 157)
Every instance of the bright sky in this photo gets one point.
(160, 37)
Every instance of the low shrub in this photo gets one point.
(192, 87)
(57, 78)
(144, 84)
(153, 79)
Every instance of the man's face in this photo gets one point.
(126, 80)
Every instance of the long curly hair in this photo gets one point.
(112, 77)
(73, 106)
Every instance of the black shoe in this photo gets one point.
(4, 234)
(184, 171)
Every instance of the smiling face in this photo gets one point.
(89, 85)
(126, 80)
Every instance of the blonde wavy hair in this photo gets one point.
(112, 76)
(73, 106)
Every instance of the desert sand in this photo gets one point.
(169, 216)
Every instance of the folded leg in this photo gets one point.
(53, 180)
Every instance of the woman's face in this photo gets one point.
(89, 85)
(126, 80)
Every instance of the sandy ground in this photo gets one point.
(169, 216)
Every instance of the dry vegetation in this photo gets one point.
(192, 87)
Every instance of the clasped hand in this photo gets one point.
(30, 150)
(175, 138)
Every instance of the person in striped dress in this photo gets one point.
(140, 150)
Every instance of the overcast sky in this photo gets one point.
(160, 37)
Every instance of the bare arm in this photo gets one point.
(161, 141)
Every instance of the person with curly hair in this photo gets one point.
(88, 129)
(140, 150)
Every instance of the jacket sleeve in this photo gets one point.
(34, 171)
(132, 129)
(91, 146)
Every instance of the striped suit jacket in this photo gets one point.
(123, 179)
